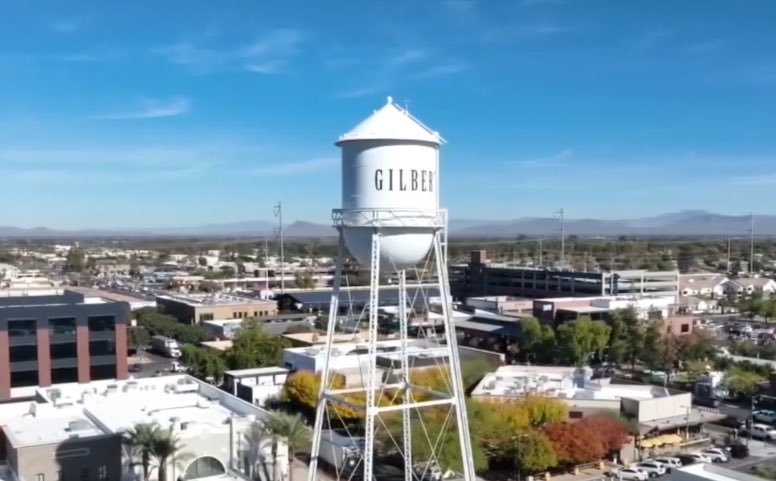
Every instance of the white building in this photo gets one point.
(211, 425)
(705, 285)
(8, 272)
(644, 306)
(353, 357)
(746, 286)
(257, 385)
(582, 394)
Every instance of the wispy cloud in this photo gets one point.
(525, 31)
(705, 46)
(407, 57)
(152, 109)
(441, 70)
(534, 3)
(359, 92)
(65, 26)
(651, 38)
(271, 53)
(549, 161)
(296, 168)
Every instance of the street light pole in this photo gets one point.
(518, 466)
(687, 426)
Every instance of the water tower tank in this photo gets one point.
(390, 182)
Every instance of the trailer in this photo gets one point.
(340, 452)
(165, 346)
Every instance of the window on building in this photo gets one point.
(24, 378)
(64, 375)
(206, 317)
(685, 328)
(102, 348)
(18, 328)
(102, 473)
(65, 350)
(105, 371)
(62, 325)
(23, 353)
(102, 323)
(40, 477)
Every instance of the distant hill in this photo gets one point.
(684, 223)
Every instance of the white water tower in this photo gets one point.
(390, 181)
(390, 221)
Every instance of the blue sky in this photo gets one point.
(172, 113)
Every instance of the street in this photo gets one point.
(150, 363)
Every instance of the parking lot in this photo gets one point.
(149, 363)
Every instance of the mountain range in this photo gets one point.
(684, 223)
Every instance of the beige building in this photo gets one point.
(196, 308)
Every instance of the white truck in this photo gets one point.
(165, 346)
(340, 452)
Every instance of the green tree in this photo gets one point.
(203, 363)
(743, 383)
(140, 440)
(253, 347)
(292, 430)
(75, 261)
(579, 340)
(630, 335)
(304, 279)
(536, 453)
(653, 344)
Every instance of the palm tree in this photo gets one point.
(164, 447)
(295, 433)
(257, 438)
(140, 441)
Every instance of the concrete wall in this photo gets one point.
(659, 408)
(75, 458)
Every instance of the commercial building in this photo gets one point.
(353, 298)
(257, 385)
(60, 338)
(656, 409)
(276, 325)
(197, 308)
(480, 277)
(506, 305)
(564, 309)
(354, 355)
(73, 432)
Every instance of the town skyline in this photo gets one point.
(209, 116)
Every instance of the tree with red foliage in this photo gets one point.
(613, 434)
(574, 443)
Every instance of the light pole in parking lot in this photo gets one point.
(278, 210)
(687, 426)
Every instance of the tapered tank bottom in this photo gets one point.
(400, 247)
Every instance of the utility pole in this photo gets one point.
(728, 257)
(266, 261)
(751, 243)
(278, 210)
(541, 254)
(562, 239)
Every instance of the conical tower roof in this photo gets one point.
(392, 123)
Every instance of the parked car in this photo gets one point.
(669, 461)
(764, 416)
(631, 474)
(737, 450)
(135, 368)
(732, 422)
(762, 431)
(717, 455)
(652, 468)
(693, 458)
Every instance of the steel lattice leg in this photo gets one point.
(372, 381)
(455, 362)
(320, 411)
(405, 376)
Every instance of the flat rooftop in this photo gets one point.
(257, 371)
(216, 299)
(384, 349)
(106, 407)
(561, 382)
